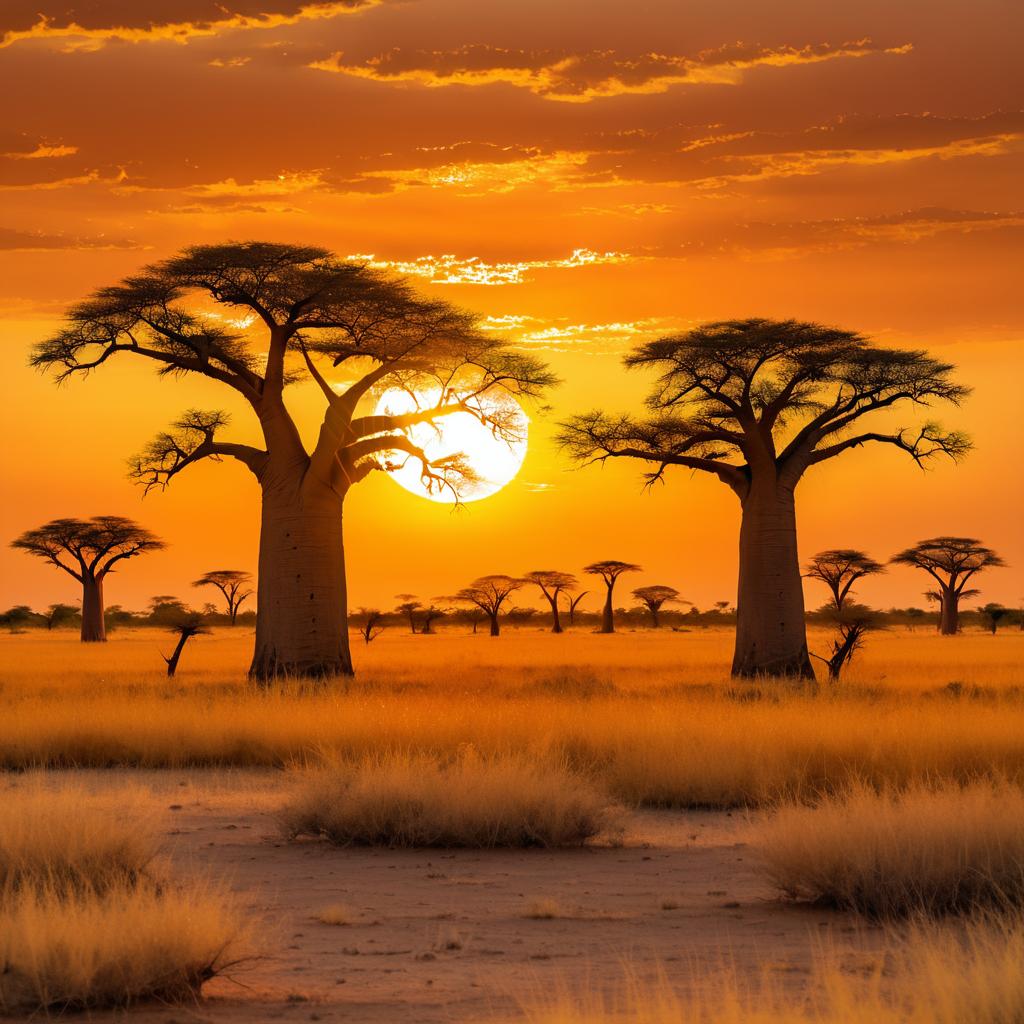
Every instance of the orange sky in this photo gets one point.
(855, 163)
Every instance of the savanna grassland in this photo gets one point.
(572, 828)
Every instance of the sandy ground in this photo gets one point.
(442, 935)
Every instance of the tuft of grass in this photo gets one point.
(94, 950)
(68, 840)
(337, 914)
(889, 854)
(930, 975)
(545, 909)
(408, 800)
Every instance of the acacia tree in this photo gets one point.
(431, 613)
(489, 593)
(552, 584)
(190, 625)
(992, 614)
(654, 597)
(853, 624)
(88, 550)
(289, 311)
(372, 624)
(952, 562)
(409, 607)
(609, 571)
(58, 613)
(756, 403)
(233, 584)
(839, 569)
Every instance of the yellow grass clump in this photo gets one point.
(92, 950)
(884, 854)
(930, 975)
(67, 839)
(408, 800)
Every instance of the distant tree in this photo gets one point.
(189, 625)
(57, 614)
(430, 614)
(115, 616)
(654, 597)
(992, 614)
(721, 607)
(489, 593)
(574, 603)
(17, 617)
(609, 571)
(233, 584)
(757, 403)
(409, 607)
(552, 585)
(88, 550)
(854, 622)
(952, 562)
(839, 569)
(167, 610)
(372, 624)
(521, 616)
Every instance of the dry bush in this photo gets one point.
(544, 909)
(469, 800)
(90, 950)
(67, 839)
(337, 914)
(929, 976)
(922, 850)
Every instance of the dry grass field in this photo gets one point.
(571, 829)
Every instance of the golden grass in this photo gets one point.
(67, 840)
(920, 851)
(544, 909)
(91, 950)
(930, 975)
(652, 717)
(403, 800)
(337, 914)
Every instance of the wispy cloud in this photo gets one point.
(43, 152)
(597, 74)
(612, 338)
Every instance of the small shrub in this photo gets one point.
(337, 914)
(889, 854)
(545, 909)
(65, 839)
(407, 800)
(94, 950)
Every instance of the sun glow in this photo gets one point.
(494, 459)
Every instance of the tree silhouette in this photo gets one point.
(409, 607)
(756, 403)
(431, 613)
(233, 584)
(609, 571)
(839, 569)
(654, 597)
(373, 624)
(191, 625)
(854, 623)
(574, 603)
(952, 562)
(552, 585)
(310, 309)
(992, 614)
(58, 613)
(489, 593)
(88, 550)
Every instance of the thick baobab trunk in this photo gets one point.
(607, 615)
(94, 628)
(771, 634)
(302, 609)
(495, 628)
(949, 615)
(655, 620)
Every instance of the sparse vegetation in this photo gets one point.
(408, 800)
(891, 854)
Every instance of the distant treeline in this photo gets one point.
(167, 612)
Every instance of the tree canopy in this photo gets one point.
(736, 396)
(950, 561)
(839, 569)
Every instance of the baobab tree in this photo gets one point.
(552, 585)
(653, 598)
(88, 550)
(609, 571)
(952, 562)
(290, 311)
(489, 593)
(233, 584)
(409, 607)
(839, 569)
(756, 403)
